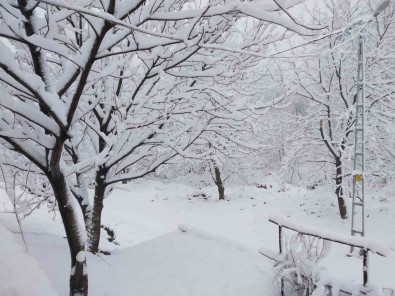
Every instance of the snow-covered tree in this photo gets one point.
(168, 101)
(107, 86)
(327, 79)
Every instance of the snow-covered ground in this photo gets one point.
(153, 257)
(20, 274)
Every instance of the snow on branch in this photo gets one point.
(255, 10)
(248, 9)
(23, 109)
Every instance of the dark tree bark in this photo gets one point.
(92, 212)
(78, 275)
(339, 189)
(94, 224)
(339, 172)
(218, 181)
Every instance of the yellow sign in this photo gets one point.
(358, 178)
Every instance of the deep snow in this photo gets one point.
(20, 274)
(152, 254)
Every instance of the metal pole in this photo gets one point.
(280, 247)
(365, 267)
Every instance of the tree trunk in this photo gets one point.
(339, 189)
(338, 163)
(79, 273)
(93, 226)
(218, 182)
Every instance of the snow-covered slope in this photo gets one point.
(20, 274)
(174, 264)
(180, 264)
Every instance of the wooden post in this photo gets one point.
(365, 267)
(280, 247)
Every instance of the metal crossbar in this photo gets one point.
(364, 255)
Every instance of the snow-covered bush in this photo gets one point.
(299, 265)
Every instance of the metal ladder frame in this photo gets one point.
(358, 175)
